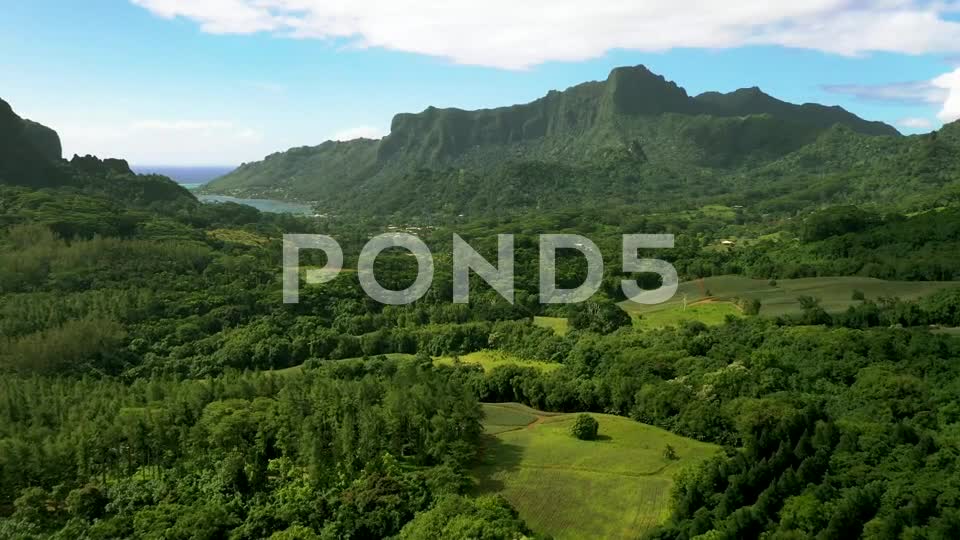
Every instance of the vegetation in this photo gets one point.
(615, 487)
(490, 360)
(834, 295)
(238, 455)
(560, 325)
(802, 383)
(585, 427)
(614, 142)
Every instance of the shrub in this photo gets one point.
(670, 454)
(585, 428)
(751, 307)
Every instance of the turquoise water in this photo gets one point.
(264, 205)
(194, 177)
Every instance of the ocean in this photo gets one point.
(188, 177)
(194, 177)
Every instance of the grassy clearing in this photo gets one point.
(237, 236)
(615, 487)
(560, 325)
(487, 359)
(708, 313)
(492, 359)
(501, 417)
(781, 298)
(955, 332)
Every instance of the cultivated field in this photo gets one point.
(780, 298)
(492, 359)
(706, 311)
(614, 487)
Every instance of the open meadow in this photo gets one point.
(778, 297)
(492, 359)
(615, 487)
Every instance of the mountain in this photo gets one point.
(623, 138)
(751, 101)
(31, 157)
(27, 150)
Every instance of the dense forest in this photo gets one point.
(154, 385)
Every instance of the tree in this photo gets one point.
(751, 306)
(455, 516)
(670, 454)
(585, 427)
(602, 317)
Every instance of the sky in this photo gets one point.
(222, 82)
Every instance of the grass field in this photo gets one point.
(557, 324)
(614, 487)
(781, 298)
(707, 312)
(492, 359)
(237, 236)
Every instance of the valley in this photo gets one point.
(801, 383)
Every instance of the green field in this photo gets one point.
(708, 312)
(492, 359)
(557, 324)
(614, 487)
(237, 236)
(781, 298)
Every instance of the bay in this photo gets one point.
(264, 205)
(195, 177)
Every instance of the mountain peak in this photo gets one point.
(637, 90)
(27, 150)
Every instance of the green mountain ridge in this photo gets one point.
(635, 122)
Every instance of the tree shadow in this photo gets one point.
(496, 457)
(602, 437)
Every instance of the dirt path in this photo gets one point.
(536, 422)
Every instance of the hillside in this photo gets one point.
(624, 138)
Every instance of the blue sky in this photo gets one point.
(219, 82)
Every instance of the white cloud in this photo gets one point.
(163, 142)
(516, 35)
(915, 123)
(911, 93)
(943, 91)
(360, 132)
(217, 16)
(950, 82)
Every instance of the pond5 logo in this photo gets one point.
(465, 259)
